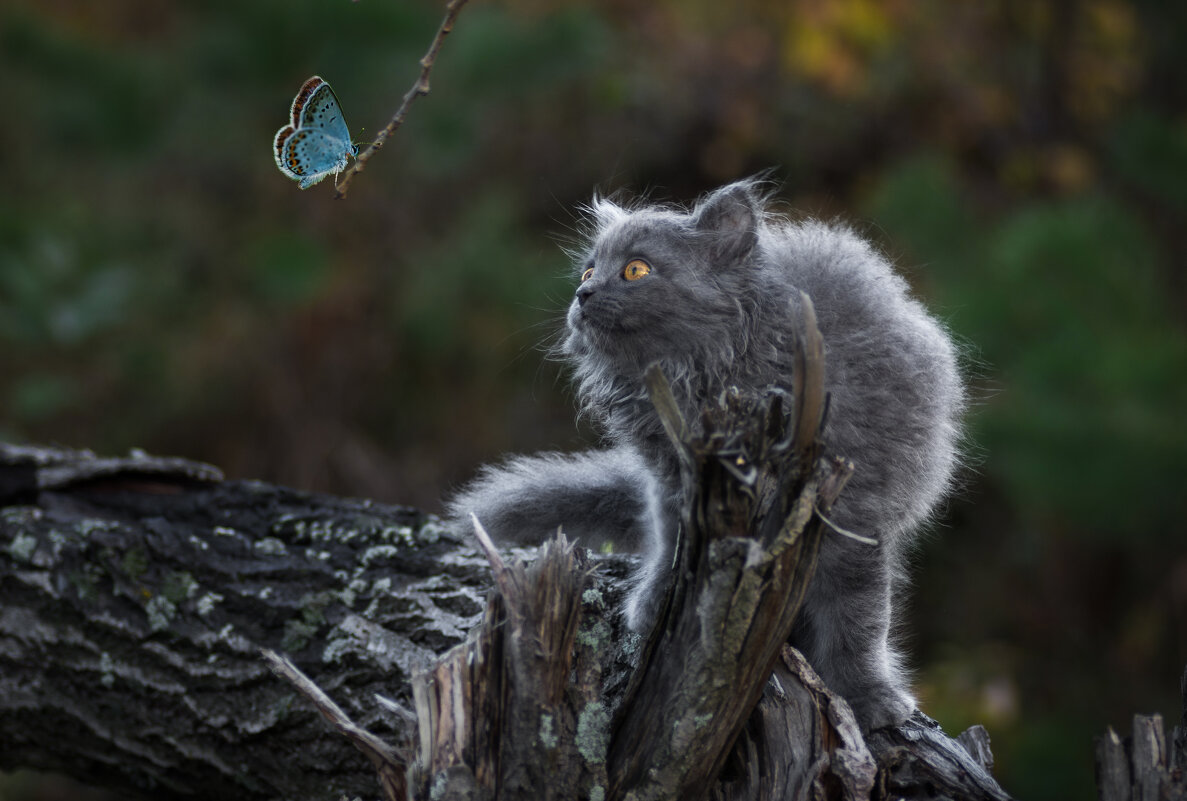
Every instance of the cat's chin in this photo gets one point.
(624, 352)
(595, 336)
(592, 323)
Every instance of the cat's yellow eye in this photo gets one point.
(636, 269)
(588, 274)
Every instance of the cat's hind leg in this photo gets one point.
(844, 632)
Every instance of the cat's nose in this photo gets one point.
(583, 293)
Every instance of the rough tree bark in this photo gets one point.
(136, 595)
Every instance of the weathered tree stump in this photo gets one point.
(716, 706)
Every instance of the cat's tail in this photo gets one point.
(596, 497)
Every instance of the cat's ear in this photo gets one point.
(729, 216)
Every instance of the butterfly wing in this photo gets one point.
(321, 111)
(280, 151)
(308, 155)
(306, 91)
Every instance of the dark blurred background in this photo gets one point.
(163, 286)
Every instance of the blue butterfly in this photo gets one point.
(317, 141)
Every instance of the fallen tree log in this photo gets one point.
(136, 594)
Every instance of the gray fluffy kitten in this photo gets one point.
(712, 296)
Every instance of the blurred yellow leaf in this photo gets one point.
(834, 41)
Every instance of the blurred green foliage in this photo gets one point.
(163, 286)
(1061, 299)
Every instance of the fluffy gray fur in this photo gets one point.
(720, 308)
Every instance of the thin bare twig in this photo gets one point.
(421, 87)
(387, 761)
